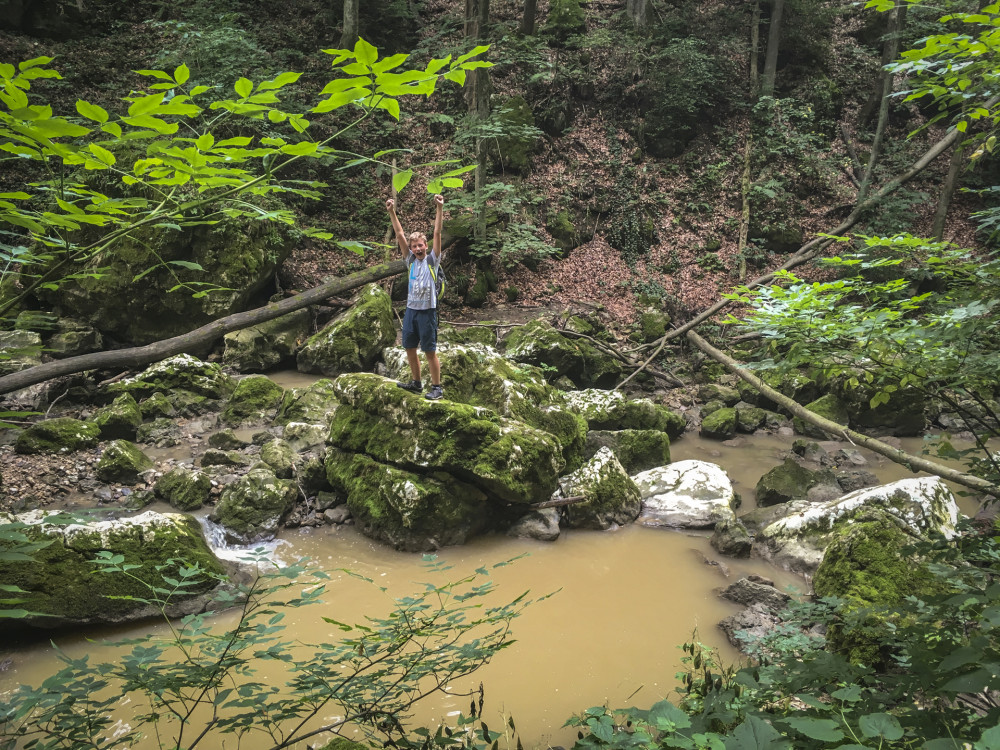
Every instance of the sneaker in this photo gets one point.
(413, 386)
(434, 393)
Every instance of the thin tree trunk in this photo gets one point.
(748, 151)
(947, 191)
(349, 36)
(477, 94)
(890, 50)
(528, 19)
(913, 463)
(636, 10)
(198, 338)
(771, 56)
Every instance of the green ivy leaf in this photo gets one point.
(401, 179)
(881, 725)
(825, 730)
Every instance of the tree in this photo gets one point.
(182, 176)
(636, 10)
(528, 17)
(349, 36)
(771, 55)
(198, 685)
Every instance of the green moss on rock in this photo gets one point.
(612, 410)
(829, 407)
(790, 481)
(610, 496)
(355, 339)
(251, 508)
(256, 399)
(636, 450)
(280, 457)
(120, 419)
(314, 404)
(538, 343)
(267, 345)
(720, 424)
(180, 373)
(60, 435)
(183, 488)
(122, 461)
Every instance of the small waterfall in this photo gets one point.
(215, 535)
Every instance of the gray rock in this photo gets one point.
(267, 345)
(686, 494)
(610, 496)
(748, 592)
(541, 525)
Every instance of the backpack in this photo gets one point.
(439, 281)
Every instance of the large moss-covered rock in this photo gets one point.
(720, 424)
(314, 404)
(251, 508)
(73, 338)
(798, 386)
(827, 406)
(612, 410)
(279, 457)
(610, 496)
(505, 458)
(183, 488)
(480, 376)
(482, 335)
(122, 461)
(60, 435)
(791, 480)
(256, 399)
(636, 450)
(866, 566)
(902, 414)
(239, 256)
(19, 350)
(686, 494)
(119, 419)
(62, 581)
(538, 343)
(182, 376)
(354, 340)
(797, 541)
(412, 511)
(267, 345)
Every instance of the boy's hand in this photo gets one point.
(390, 205)
(439, 201)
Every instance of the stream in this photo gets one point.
(626, 600)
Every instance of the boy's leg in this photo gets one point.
(410, 340)
(414, 362)
(428, 342)
(434, 365)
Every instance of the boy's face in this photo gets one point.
(419, 248)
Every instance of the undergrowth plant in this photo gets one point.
(199, 684)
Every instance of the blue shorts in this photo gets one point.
(420, 327)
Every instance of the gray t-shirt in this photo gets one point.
(420, 294)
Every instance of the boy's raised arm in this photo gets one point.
(390, 206)
(438, 224)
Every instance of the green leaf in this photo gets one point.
(190, 265)
(365, 53)
(990, 739)
(825, 730)
(102, 154)
(664, 715)
(972, 682)
(401, 179)
(756, 734)
(182, 74)
(943, 743)
(155, 74)
(244, 87)
(91, 111)
(458, 76)
(146, 104)
(32, 63)
(278, 81)
(881, 725)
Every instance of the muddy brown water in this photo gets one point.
(627, 599)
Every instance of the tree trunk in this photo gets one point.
(636, 10)
(913, 463)
(771, 56)
(889, 50)
(477, 93)
(528, 19)
(947, 191)
(748, 151)
(349, 37)
(197, 339)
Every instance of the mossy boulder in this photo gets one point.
(652, 325)
(157, 406)
(507, 459)
(20, 350)
(179, 377)
(866, 567)
(39, 321)
(480, 376)
(718, 392)
(791, 480)
(119, 419)
(227, 440)
(636, 450)
(251, 508)
(240, 256)
(255, 400)
(610, 496)
(279, 457)
(184, 489)
(304, 436)
(354, 340)
(215, 457)
(162, 432)
(61, 579)
(73, 338)
(828, 406)
(798, 540)
(720, 424)
(122, 461)
(732, 538)
(268, 345)
(314, 404)
(798, 386)
(612, 410)
(538, 343)
(481, 335)
(749, 418)
(560, 225)
(686, 494)
(409, 510)
(60, 435)
(902, 414)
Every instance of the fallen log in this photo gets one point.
(911, 462)
(559, 502)
(140, 356)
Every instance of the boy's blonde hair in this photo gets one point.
(416, 236)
